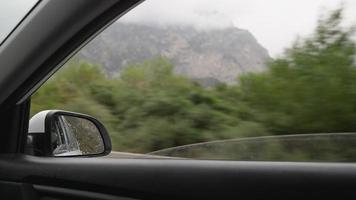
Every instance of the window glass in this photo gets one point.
(229, 79)
(11, 13)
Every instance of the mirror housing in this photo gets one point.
(61, 133)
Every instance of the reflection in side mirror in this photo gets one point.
(62, 133)
(75, 136)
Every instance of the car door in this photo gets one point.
(44, 40)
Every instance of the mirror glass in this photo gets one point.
(72, 136)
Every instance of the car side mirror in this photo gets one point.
(63, 133)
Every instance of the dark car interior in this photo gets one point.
(52, 32)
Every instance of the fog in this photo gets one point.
(275, 23)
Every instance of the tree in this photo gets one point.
(312, 87)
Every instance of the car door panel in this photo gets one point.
(178, 179)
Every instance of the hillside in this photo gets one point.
(219, 54)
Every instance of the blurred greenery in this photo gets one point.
(310, 89)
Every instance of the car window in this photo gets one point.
(12, 13)
(231, 80)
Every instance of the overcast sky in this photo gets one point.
(275, 23)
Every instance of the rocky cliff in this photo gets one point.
(219, 54)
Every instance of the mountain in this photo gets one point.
(216, 54)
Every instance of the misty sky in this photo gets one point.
(275, 23)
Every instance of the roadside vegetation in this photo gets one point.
(311, 88)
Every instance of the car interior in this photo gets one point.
(46, 38)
